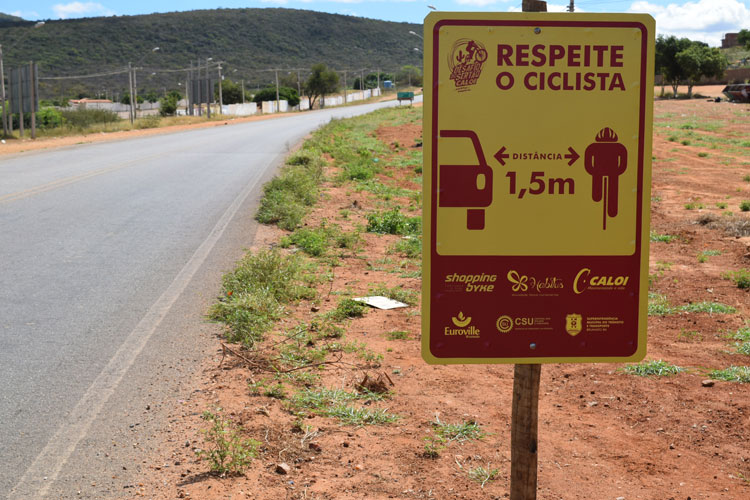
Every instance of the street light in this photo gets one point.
(416, 34)
(38, 24)
(432, 7)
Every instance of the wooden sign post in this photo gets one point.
(523, 432)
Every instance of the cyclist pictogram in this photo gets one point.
(605, 160)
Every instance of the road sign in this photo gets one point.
(537, 162)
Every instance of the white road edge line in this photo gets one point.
(39, 477)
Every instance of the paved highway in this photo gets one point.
(110, 254)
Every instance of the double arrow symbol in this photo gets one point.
(572, 155)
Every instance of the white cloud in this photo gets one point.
(81, 9)
(25, 14)
(704, 20)
(476, 3)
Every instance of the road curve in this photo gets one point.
(110, 254)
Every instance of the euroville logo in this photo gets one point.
(464, 327)
(465, 63)
(585, 281)
(520, 283)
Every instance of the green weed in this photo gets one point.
(348, 308)
(664, 238)
(393, 222)
(741, 278)
(396, 293)
(286, 197)
(229, 452)
(465, 431)
(689, 336)
(704, 255)
(653, 368)
(483, 475)
(397, 335)
(336, 403)
(745, 206)
(254, 293)
(739, 374)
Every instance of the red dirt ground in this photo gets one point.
(603, 434)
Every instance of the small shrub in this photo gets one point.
(483, 475)
(410, 246)
(150, 121)
(393, 222)
(84, 118)
(229, 452)
(254, 293)
(745, 206)
(740, 278)
(396, 293)
(653, 368)
(348, 308)
(702, 154)
(49, 118)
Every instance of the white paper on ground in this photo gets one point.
(380, 302)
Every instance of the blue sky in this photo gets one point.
(705, 20)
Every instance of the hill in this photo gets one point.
(248, 40)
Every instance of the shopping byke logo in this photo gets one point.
(463, 327)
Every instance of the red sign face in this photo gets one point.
(537, 164)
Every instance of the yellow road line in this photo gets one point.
(71, 180)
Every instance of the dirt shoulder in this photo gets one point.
(603, 432)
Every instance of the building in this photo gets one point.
(730, 40)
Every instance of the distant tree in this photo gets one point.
(290, 80)
(151, 96)
(410, 75)
(744, 38)
(231, 92)
(285, 93)
(371, 80)
(126, 98)
(698, 61)
(667, 48)
(168, 103)
(322, 81)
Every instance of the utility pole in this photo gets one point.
(243, 91)
(221, 97)
(362, 82)
(209, 92)
(20, 102)
(378, 79)
(278, 103)
(2, 96)
(32, 85)
(135, 94)
(130, 90)
(345, 101)
(299, 87)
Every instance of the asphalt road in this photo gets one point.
(109, 256)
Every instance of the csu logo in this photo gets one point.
(584, 280)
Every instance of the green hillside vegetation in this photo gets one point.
(246, 39)
(7, 19)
